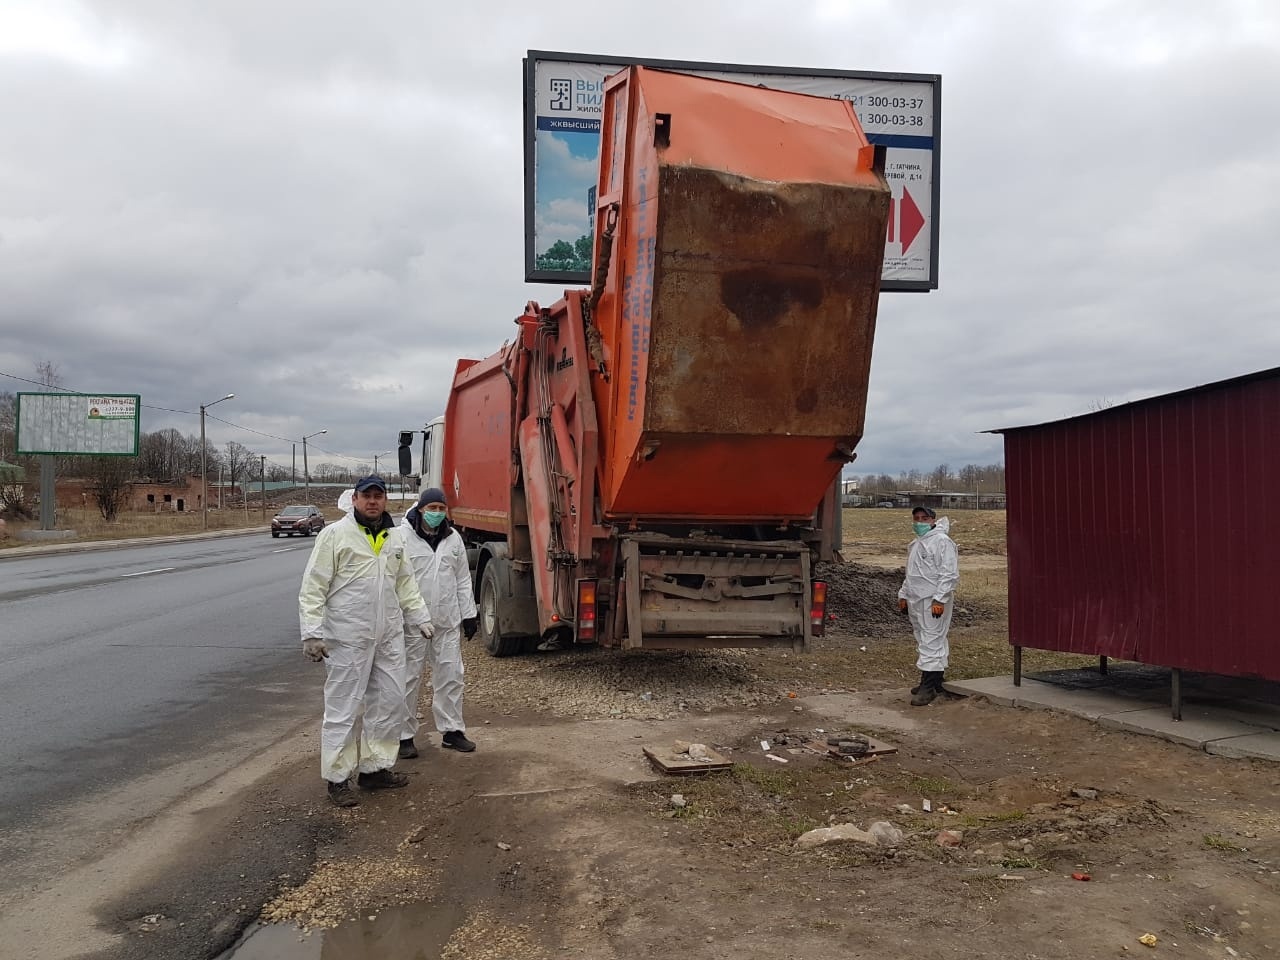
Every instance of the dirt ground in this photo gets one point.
(557, 838)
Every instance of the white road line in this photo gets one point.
(143, 573)
(284, 549)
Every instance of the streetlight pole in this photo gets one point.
(306, 472)
(204, 465)
(376, 456)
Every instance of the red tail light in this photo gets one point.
(818, 614)
(586, 610)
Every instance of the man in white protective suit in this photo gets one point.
(439, 559)
(358, 593)
(927, 596)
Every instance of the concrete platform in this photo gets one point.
(1219, 717)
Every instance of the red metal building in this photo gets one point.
(1150, 531)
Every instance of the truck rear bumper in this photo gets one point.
(676, 593)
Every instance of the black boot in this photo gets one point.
(457, 740)
(923, 677)
(929, 688)
(341, 794)
(408, 749)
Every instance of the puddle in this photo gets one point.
(416, 932)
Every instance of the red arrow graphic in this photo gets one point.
(911, 220)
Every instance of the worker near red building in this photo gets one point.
(439, 559)
(927, 596)
(358, 592)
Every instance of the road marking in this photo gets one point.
(143, 573)
(284, 549)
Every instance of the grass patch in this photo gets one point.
(770, 781)
(1008, 816)
(931, 787)
(1218, 842)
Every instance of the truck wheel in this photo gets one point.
(490, 600)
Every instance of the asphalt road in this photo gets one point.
(118, 667)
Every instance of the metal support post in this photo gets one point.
(1017, 666)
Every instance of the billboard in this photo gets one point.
(563, 97)
(79, 423)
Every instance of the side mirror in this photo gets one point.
(405, 453)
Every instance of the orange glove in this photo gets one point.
(937, 609)
(902, 605)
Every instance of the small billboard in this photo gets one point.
(79, 423)
(563, 98)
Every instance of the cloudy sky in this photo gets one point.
(318, 205)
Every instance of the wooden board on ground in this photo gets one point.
(875, 748)
(668, 761)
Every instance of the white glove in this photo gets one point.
(313, 648)
(427, 631)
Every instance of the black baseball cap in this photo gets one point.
(927, 511)
(371, 483)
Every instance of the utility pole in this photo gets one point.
(262, 473)
(204, 465)
(306, 473)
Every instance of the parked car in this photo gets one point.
(297, 519)
(886, 503)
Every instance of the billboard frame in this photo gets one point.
(17, 426)
(534, 275)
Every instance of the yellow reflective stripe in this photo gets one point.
(376, 542)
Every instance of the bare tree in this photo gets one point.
(48, 374)
(8, 424)
(238, 459)
(110, 476)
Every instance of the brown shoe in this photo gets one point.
(341, 795)
(382, 780)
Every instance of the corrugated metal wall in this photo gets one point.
(1151, 531)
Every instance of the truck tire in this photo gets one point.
(491, 598)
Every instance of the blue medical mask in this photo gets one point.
(433, 518)
(921, 528)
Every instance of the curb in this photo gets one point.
(89, 546)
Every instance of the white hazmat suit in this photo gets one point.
(444, 577)
(358, 600)
(933, 571)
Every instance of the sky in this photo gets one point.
(318, 205)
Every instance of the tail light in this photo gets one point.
(586, 610)
(818, 613)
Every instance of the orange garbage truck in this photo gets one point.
(650, 463)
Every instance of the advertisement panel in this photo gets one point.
(78, 423)
(564, 94)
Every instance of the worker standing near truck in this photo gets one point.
(439, 559)
(927, 596)
(358, 593)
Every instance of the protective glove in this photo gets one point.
(937, 609)
(469, 627)
(313, 648)
(902, 604)
(427, 631)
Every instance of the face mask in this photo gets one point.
(921, 528)
(433, 518)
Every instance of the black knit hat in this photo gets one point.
(431, 495)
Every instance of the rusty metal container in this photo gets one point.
(745, 232)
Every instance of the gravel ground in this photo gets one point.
(659, 685)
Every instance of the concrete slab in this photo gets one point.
(1198, 726)
(1241, 728)
(1262, 746)
(999, 690)
(1034, 695)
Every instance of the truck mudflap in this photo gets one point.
(686, 594)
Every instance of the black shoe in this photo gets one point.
(924, 675)
(457, 740)
(408, 750)
(382, 780)
(925, 697)
(341, 795)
